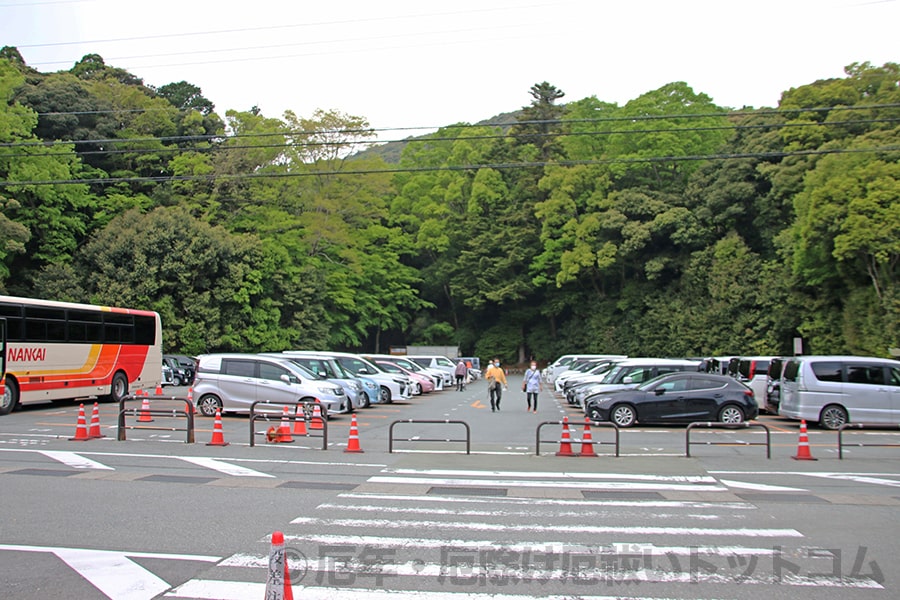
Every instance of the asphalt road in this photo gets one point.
(153, 517)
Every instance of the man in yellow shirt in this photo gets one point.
(495, 378)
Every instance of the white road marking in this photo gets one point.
(554, 475)
(760, 487)
(112, 572)
(76, 461)
(207, 589)
(581, 485)
(583, 529)
(585, 573)
(430, 510)
(223, 467)
(553, 501)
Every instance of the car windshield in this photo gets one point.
(303, 371)
(651, 383)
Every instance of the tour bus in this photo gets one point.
(60, 350)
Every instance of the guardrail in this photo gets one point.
(187, 413)
(279, 414)
(467, 440)
(538, 441)
(862, 426)
(717, 425)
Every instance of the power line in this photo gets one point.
(468, 167)
(369, 130)
(429, 139)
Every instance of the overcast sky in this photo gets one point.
(420, 64)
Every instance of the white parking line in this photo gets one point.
(554, 475)
(111, 572)
(207, 589)
(431, 510)
(553, 501)
(760, 487)
(581, 485)
(583, 529)
(76, 461)
(223, 467)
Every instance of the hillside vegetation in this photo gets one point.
(666, 225)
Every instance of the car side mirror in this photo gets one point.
(286, 379)
(659, 391)
(628, 380)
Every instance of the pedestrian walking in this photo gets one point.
(496, 379)
(461, 372)
(532, 386)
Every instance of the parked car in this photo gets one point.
(168, 377)
(753, 370)
(439, 363)
(327, 368)
(179, 374)
(390, 386)
(561, 364)
(631, 373)
(188, 364)
(422, 384)
(436, 375)
(678, 398)
(834, 390)
(580, 368)
(233, 382)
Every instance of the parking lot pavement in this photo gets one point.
(183, 520)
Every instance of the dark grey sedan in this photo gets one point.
(676, 398)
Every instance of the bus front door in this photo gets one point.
(2, 356)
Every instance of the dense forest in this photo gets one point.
(664, 226)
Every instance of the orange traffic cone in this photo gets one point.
(353, 442)
(317, 421)
(565, 442)
(138, 393)
(145, 411)
(278, 583)
(94, 433)
(284, 432)
(81, 434)
(218, 438)
(272, 435)
(587, 441)
(159, 391)
(803, 452)
(190, 399)
(300, 421)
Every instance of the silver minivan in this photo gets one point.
(233, 382)
(833, 390)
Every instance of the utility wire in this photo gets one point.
(467, 167)
(368, 131)
(429, 139)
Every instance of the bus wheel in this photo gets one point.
(10, 398)
(118, 389)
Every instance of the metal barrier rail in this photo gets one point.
(277, 416)
(861, 426)
(538, 441)
(467, 440)
(187, 413)
(717, 425)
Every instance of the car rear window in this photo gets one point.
(775, 368)
(240, 368)
(827, 371)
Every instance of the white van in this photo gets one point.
(833, 390)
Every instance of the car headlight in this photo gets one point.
(355, 386)
(330, 390)
(371, 385)
(399, 382)
(601, 400)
